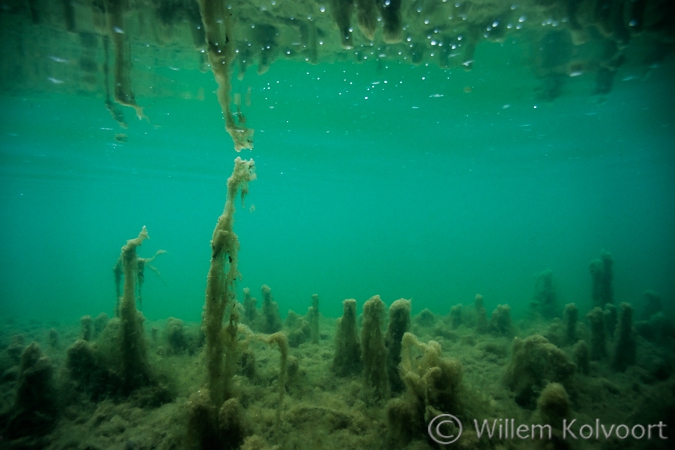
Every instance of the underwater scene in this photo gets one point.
(337, 224)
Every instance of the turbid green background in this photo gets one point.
(373, 179)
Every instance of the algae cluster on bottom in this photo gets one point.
(60, 392)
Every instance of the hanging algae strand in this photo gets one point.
(141, 263)
(140, 274)
(220, 43)
(221, 279)
(124, 95)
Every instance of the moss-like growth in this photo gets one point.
(456, 316)
(405, 421)
(118, 273)
(440, 377)
(175, 336)
(202, 425)
(232, 424)
(554, 407)
(596, 320)
(88, 373)
(292, 319)
(481, 315)
(571, 316)
(601, 278)
(373, 350)
(247, 362)
(299, 335)
(53, 338)
(86, 328)
(313, 319)
(399, 322)
(213, 429)
(299, 329)
(426, 318)
(256, 442)
(34, 410)
(657, 329)
(625, 344)
(500, 322)
(544, 301)
(582, 357)
(611, 319)
(347, 358)
(281, 341)
(15, 348)
(292, 368)
(233, 350)
(433, 387)
(535, 362)
(652, 304)
(250, 309)
(100, 322)
(135, 369)
(270, 311)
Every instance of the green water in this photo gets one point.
(372, 179)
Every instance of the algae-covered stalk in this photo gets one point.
(571, 316)
(373, 350)
(86, 328)
(626, 339)
(652, 304)
(135, 371)
(611, 316)
(347, 358)
(314, 319)
(456, 316)
(399, 322)
(601, 277)
(544, 301)
(554, 406)
(481, 315)
(232, 353)
(270, 311)
(35, 408)
(221, 278)
(250, 311)
(118, 271)
(500, 322)
(281, 340)
(598, 338)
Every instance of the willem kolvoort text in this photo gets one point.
(507, 429)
